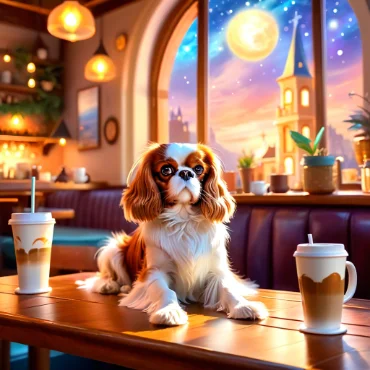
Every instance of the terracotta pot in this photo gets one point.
(230, 178)
(318, 174)
(279, 183)
(362, 149)
(246, 176)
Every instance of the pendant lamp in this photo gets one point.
(100, 67)
(71, 21)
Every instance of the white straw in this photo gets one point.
(310, 240)
(33, 194)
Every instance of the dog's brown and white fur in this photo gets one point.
(178, 252)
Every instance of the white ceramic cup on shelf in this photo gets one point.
(321, 269)
(258, 187)
(80, 176)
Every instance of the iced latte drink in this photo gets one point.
(33, 236)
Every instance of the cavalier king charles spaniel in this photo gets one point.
(178, 252)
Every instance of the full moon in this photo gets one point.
(252, 35)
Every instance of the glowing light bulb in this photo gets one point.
(71, 20)
(32, 155)
(21, 147)
(100, 67)
(7, 58)
(18, 154)
(31, 83)
(7, 153)
(31, 68)
(16, 120)
(62, 141)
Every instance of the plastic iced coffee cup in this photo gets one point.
(33, 236)
(321, 271)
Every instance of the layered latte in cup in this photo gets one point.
(33, 236)
(321, 274)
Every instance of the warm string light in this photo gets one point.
(31, 68)
(7, 58)
(31, 83)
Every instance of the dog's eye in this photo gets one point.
(198, 169)
(166, 170)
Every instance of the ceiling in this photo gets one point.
(33, 13)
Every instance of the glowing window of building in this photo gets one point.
(288, 97)
(306, 131)
(289, 165)
(305, 97)
(288, 142)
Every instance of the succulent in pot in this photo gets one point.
(360, 121)
(317, 166)
(246, 163)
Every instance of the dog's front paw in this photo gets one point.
(170, 315)
(106, 286)
(248, 310)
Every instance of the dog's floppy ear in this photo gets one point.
(217, 204)
(141, 201)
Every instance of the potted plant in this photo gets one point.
(246, 171)
(360, 121)
(317, 166)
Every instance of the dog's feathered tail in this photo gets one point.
(119, 263)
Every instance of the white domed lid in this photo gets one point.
(320, 250)
(31, 218)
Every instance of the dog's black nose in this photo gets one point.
(186, 175)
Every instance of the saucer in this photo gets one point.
(341, 330)
(32, 291)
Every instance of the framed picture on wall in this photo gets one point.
(88, 118)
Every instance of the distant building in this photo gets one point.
(179, 130)
(297, 106)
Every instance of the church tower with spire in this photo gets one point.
(297, 106)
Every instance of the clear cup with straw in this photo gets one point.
(33, 236)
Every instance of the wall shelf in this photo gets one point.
(29, 139)
(17, 89)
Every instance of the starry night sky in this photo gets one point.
(244, 95)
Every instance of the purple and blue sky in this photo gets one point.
(244, 95)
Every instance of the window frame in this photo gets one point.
(169, 26)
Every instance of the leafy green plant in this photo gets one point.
(246, 161)
(360, 119)
(46, 104)
(304, 142)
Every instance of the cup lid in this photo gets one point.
(31, 218)
(320, 250)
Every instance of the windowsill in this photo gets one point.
(338, 198)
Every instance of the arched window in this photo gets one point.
(288, 97)
(306, 131)
(305, 97)
(289, 166)
(249, 75)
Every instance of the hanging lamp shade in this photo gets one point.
(100, 67)
(71, 21)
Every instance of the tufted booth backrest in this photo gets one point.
(98, 209)
(263, 238)
(269, 236)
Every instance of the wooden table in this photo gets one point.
(57, 213)
(92, 325)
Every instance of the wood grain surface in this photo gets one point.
(88, 324)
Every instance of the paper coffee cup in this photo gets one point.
(33, 237)
(321, 271)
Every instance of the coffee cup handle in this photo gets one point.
(352, 281)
